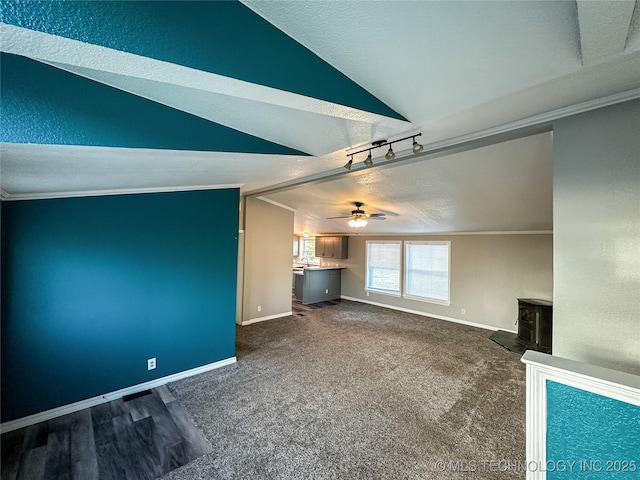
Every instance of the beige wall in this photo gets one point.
(596, 216)
(488, 274)
(267, 261)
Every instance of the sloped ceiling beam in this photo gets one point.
(604, 28)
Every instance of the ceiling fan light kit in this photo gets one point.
(390, 155)
(358, 217)
(357, 222)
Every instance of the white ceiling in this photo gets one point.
(500, 187)
(451, 68)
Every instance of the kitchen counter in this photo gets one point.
(301, 270)
(317, 284)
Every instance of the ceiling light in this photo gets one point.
(357, 222)
(305, 234)
(348, 164)
(390, 155)
(417, 148)
(368, 162)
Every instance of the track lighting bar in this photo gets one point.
(390, 155)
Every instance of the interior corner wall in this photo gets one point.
(267, 260)
(488, 275)
(596, 217)
(92, 287)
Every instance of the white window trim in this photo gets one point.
(397, 294)
(301, 240)
(405, 272)
(382, 292)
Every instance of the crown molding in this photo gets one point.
(508, 131)
(447, 234)
(102, 193)
(277, 204)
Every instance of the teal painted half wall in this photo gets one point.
(92, 287)
(590, 436)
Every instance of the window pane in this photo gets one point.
(383, 267)
(309, 250)
(427, 270)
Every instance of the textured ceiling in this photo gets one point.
(108, 97)
(500, 187)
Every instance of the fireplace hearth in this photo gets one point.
(535, 326)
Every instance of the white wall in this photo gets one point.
(488, 274)
(596, 220)
(267, 261)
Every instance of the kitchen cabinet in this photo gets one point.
(318, 284)
(332, 247)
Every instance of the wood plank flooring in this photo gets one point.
(143, 436)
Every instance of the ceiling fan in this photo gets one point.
(359, 217)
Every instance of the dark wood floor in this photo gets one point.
(143, 436)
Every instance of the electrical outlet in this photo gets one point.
(326, 290)
(151, 363)
(463, 311)
(367, 294)
(259, 308)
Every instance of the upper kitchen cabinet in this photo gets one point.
(332, 247)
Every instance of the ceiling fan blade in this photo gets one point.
(376, 218)
(346, 216)
(378, 215)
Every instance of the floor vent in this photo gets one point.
(133, 396)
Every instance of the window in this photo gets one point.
(427, 271)
(383, 267)
(308, 250)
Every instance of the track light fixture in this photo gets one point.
(417, 148)
(390, 155)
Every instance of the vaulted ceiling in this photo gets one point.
(121, 97)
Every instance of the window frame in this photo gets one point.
(405, 275)
(301, 248)
(381, 291)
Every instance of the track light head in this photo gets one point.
(417, 148)
(368, 161)
(390, 155)
(348, 164)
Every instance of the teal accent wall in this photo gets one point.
(92, 287)
(600, 434)
(45, 105)
(223, 37)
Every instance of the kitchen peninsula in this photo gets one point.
(317, 284)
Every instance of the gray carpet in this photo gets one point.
(355, 391)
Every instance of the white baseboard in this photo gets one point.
(107, 397)
(425, 314)
(269, 317)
